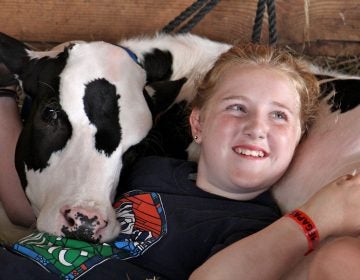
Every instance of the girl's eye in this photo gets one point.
(279, 115)
(237, 107)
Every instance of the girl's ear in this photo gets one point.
(195, 125)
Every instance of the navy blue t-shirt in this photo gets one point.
(198, 224)
(169, 225)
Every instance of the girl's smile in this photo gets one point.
(250, 152)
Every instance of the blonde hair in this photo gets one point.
(294, 68)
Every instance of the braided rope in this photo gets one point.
(199, 16)
(256, 35)
(200, 7)
(183, 16)
(255, 38)
(272, 22)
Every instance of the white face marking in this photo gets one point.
(80, 175)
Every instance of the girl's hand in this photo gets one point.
(335, 209)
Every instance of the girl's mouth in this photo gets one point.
(250, 152)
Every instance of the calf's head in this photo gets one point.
(88, 108)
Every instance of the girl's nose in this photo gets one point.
(256, 128)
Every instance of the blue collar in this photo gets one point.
(133, 56)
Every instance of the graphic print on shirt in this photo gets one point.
(143, 223)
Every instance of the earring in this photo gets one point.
(196, 138)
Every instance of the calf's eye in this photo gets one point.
(50, 115)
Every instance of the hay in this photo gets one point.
(348, 65)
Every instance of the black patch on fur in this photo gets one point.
(170, 136)
(165, 93)
(101, 107)
(47, 128)
(12, 53)
(158, 65)
(46, 131)
(346, 97)
(43, 72)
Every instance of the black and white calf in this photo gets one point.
(88, 107)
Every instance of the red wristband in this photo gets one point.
(308, 226)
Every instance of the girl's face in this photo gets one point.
(248, 131)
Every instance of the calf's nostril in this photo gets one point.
(70, 221)
(83, 224)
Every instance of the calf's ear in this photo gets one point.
(29, 64)
(162, 94)
(16, 55)
(13, 53)
(158, 65)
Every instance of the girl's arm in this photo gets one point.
(273, 251)
(12, 195)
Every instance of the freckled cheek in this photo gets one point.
(217, 129)
(284, 139)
